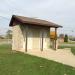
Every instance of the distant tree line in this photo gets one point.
(66, 37)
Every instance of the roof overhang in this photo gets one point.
(32, 21)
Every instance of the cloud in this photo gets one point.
(59, 11)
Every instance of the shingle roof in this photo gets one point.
(33, 21)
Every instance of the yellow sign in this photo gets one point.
(53, 35)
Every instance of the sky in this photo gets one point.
(61, 12)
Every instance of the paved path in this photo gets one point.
(61, 55)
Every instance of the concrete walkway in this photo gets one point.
(61, 55)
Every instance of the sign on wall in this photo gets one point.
(53, 35)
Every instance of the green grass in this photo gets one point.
(73, 50)
(16, 63)
(68, 43)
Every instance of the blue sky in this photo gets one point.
(61, 12)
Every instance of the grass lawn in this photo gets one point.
(68, 43)
(16, 63)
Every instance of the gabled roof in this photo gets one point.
(32, 21)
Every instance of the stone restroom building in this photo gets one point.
(31, 34)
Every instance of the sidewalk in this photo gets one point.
(61, 55)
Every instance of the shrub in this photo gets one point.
(66, 38)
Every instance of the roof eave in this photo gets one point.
(15, 18)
